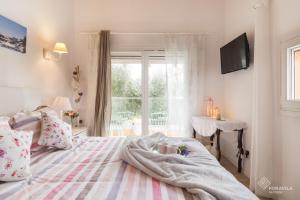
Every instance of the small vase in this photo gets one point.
(75, 121)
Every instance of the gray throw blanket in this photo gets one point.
(199, 172)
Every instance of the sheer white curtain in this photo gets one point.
(185, 71)
(261, 159)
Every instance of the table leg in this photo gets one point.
(212, 140)
(240, 149)
(218, 144)
(194, 133)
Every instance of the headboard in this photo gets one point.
(14, 99)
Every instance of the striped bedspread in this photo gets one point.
(91, 170)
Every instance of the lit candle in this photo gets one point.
(216, 113)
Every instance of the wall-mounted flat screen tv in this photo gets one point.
(235, 55)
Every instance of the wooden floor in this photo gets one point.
(239, 176)
(232, 169)
(227, 164)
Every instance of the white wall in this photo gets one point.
(196, 16)
(47, 22)
(285, 25)
(238, 18)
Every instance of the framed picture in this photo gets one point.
(12, 35)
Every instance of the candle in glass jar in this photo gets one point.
(216, 113)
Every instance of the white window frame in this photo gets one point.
(288, 101)
(145, 57)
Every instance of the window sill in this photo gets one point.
(290, 107)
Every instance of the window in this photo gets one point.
(157, 98)
(139, 94)
(297, 74)
(290, 95)
(293, 79)
(126, 97)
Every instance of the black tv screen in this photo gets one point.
(235, 55)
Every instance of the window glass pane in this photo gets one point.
(126, 97)
(297, 75)
(158, 112)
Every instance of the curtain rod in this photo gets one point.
(141, 33)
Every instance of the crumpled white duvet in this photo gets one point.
(199, 173)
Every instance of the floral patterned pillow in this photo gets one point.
(14, 155)
(55, 132)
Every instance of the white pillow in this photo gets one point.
(14, 154)
(55, 132)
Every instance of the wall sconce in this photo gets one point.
(55, 54)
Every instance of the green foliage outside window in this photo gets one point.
(127, 94)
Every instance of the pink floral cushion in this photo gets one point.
(28, 123)
(55, 132)
(14, 155)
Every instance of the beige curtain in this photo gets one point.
(99, 123)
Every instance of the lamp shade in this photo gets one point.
(62, 104)
(60, 48)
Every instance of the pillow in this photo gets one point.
(4, 122)
(45, 109)
(23, 122)
(22, 116)
(55, 132)
(14, 155)
(31, 121)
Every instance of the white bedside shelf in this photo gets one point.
(79, 131)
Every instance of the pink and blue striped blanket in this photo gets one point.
(92, 170)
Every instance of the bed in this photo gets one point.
(91, 170)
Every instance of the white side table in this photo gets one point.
(209, 127)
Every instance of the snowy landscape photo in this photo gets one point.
(12, 35)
